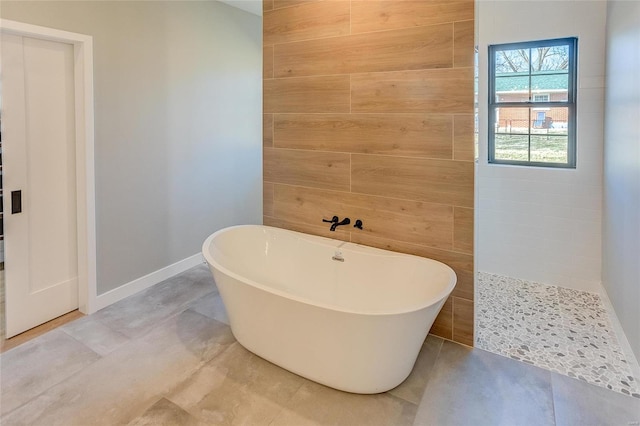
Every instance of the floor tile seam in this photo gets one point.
(442, 340)
(95, 317)
(554, 384)
(149, 329)
(82, 343)
(214, 290)
(184, 276)
(191, 299)
(202, 362)
(522, 362)
(191, 309)
(553, 398)
(192, 411)
(207, 360)
(195, 412)
(163, 394)
(44, 391)
(142, 412)
(99, 359)
(440, 345)
(130, 340)
(186, 305)
(401, 399)
(62, 380)
(514, 355)
(565, 372)
(169, 393)
(276, 416)
(217, 355)
(286, 404)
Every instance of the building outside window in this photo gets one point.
(532, 103)
(541, 97)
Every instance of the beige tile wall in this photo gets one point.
(368, 113)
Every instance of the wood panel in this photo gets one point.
(411, 221)
(428, 91)
(443, 325)
(463, 137)
(267, 62)
(463, 230)
(463, 321)
(465, 285)
(329, 170)
(267, 198)
(367, 15)
(267, 130)
(461, 263)
(306, 21)
(464, 44)
(307, 94)
(267, 5)
(323, 231)
(434, 181)
(368, 113)
(419, 135)
(279, 4)
(406, 49)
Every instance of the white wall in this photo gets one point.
(534, 223)
(621, 207)
(178, 110)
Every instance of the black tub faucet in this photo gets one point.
(344, 221)
(333, 220)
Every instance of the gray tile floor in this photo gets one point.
(166, 356)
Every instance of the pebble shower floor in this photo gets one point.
(559, 329)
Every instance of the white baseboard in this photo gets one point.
(137, 285)
(620, 334)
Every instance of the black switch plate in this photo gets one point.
(16, 202)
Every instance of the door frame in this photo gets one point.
(85, 165)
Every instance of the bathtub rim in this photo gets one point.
(440, 296)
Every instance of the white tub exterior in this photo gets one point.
(356, 325)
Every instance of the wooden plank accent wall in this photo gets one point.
(368, 114)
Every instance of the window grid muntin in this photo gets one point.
(570, 103)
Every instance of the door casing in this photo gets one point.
(85, 166)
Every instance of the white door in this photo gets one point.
(38, 138)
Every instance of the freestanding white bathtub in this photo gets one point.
(356, 325)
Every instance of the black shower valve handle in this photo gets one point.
(358, 224)
(334, 219)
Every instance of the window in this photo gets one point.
(532, 103)
(540, 97)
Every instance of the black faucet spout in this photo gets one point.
(344, 221)
(333, 220)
